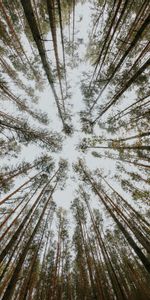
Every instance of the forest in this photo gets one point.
(74, 150)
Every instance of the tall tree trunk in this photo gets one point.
(128, 237)
(18, 189)
(11, 286)
(28, 10)
(52, 20)
(124, 88)
(131, 46)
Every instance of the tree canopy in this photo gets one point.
(74, 150)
